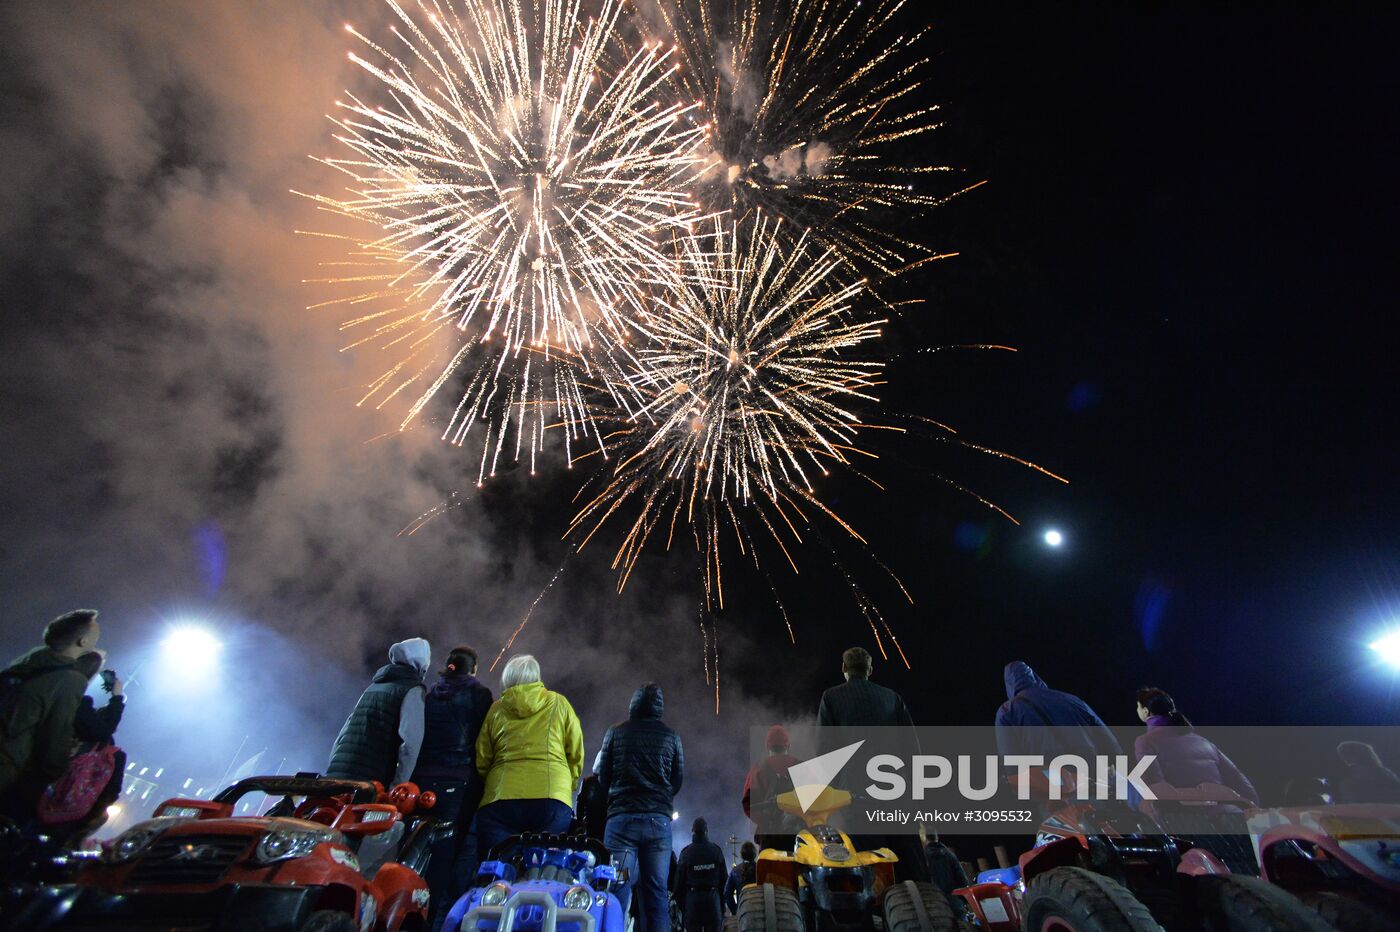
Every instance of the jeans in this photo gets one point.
(454, 854)
(495, 822)
(641, 844)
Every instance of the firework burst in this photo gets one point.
(521, 171)
(808, 102)
(749, 378)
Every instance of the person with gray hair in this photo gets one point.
(530, 757)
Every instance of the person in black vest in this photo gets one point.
(700, 880)
(743, 874)
(861, 703)
(381, 738)
(452, 715)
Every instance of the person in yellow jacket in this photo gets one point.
(529, 755)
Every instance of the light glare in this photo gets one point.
(1054, 538)
(1388, 647)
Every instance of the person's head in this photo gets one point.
(699, 826)
(414, 652)
(747, 851)
(519, 671)
(856, 663)
(1156, 703)
(778, 740)
(90, 664)
(461, 660)
(1353, 753)
(73, 633)
(647, 703)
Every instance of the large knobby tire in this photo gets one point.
(1073, 899)
(1230, 903)
(1347, 914)
(769, 908)
(917, 907)
(329, 920)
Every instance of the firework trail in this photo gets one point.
(522, 171)
(747, 375)
(806, 101)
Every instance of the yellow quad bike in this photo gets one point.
(825, 885)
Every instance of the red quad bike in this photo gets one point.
(296, 868)
(1343, 861)
(1102, 865)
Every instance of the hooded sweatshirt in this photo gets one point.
(381, 738)
(530, 746)
(36, 721)
(1030, 703)
(642, 763)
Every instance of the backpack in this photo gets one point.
(72, 796)
(11, 680)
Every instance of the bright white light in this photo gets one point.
(114, 810)
(1054, 538)
(1388, 646)
(675, 816)
(190, 654)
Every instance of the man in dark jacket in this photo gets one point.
(452, 715)
(641, 766)
(699, 881)
(743, 874)
(859, 703)
(39, 698)
(381, 738)
(1023, 723)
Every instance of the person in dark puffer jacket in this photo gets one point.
(641, 766)
(452, 715)
(381, 738)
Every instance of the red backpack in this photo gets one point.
(72, 796)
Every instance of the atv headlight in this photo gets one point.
(578, 898)
(496, 894)
(282, 844)
(131, 843)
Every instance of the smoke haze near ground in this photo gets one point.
(183, 437)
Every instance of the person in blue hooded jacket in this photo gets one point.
(1077, 729)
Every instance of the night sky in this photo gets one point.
(1186, 233)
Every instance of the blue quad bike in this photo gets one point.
(542, 883)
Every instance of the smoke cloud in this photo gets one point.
(184, 442)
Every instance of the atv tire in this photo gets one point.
(917, 907)
(770, 908)
(1072, 899)
(1230, 903)
(1345, 913)
(329, 920)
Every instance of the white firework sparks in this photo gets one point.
(523, 173)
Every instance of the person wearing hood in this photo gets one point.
(1365, 779)
(700, 879)
(530, 755)
(1024, 720)
(40, 694)
(1183, 757)
(772, 828)
(453, 713)
(384, 733)
(641, 766)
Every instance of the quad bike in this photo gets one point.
(195, 865)
(1105, 865)
(1343, 861)
(825, 884)
(542, 883)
